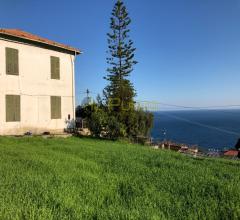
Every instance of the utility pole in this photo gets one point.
(87, 92)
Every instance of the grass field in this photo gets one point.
(92, 179)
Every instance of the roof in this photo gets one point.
(231, 153)
(34, 38)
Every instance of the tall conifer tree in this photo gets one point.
(120, 59)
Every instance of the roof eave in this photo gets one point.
(72, 50)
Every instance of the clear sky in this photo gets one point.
(188, 50)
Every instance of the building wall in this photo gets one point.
(35, 86)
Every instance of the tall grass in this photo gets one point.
(92, 179)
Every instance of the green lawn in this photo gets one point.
(92, 179)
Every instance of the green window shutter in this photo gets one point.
(12, 63)
(55, 67)
(13, 108)
(53, 107)
(59, 107)
(56, 112)
(9, 108)
(18, 108)
(15, 62)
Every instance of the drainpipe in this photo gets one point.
(73, 84)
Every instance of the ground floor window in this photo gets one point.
(13, 109)
(56, 112)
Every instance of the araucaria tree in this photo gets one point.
(120, 91)
(117, 116)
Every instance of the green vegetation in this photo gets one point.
(93, 179)
(105, 123)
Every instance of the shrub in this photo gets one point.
(103, 122)
(97, 122)
(114, 128)
(139, 123)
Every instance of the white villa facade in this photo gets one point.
(37, 84)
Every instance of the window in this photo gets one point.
(12, 61)
(56, 107)
(13, 110)
(55, 67)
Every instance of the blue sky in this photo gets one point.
(188, 51)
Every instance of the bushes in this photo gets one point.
(139, 123)
(97, 121)
(103, 122)
(114, 128)
(101, 125)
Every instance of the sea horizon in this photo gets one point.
(206, 128)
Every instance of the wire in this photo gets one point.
(190, 107)
(89, 92)
(158, 106)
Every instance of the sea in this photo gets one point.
(208, 129)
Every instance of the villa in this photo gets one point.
(37, 83)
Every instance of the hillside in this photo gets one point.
(92, 179)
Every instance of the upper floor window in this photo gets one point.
(55, 67)
(12, 65)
